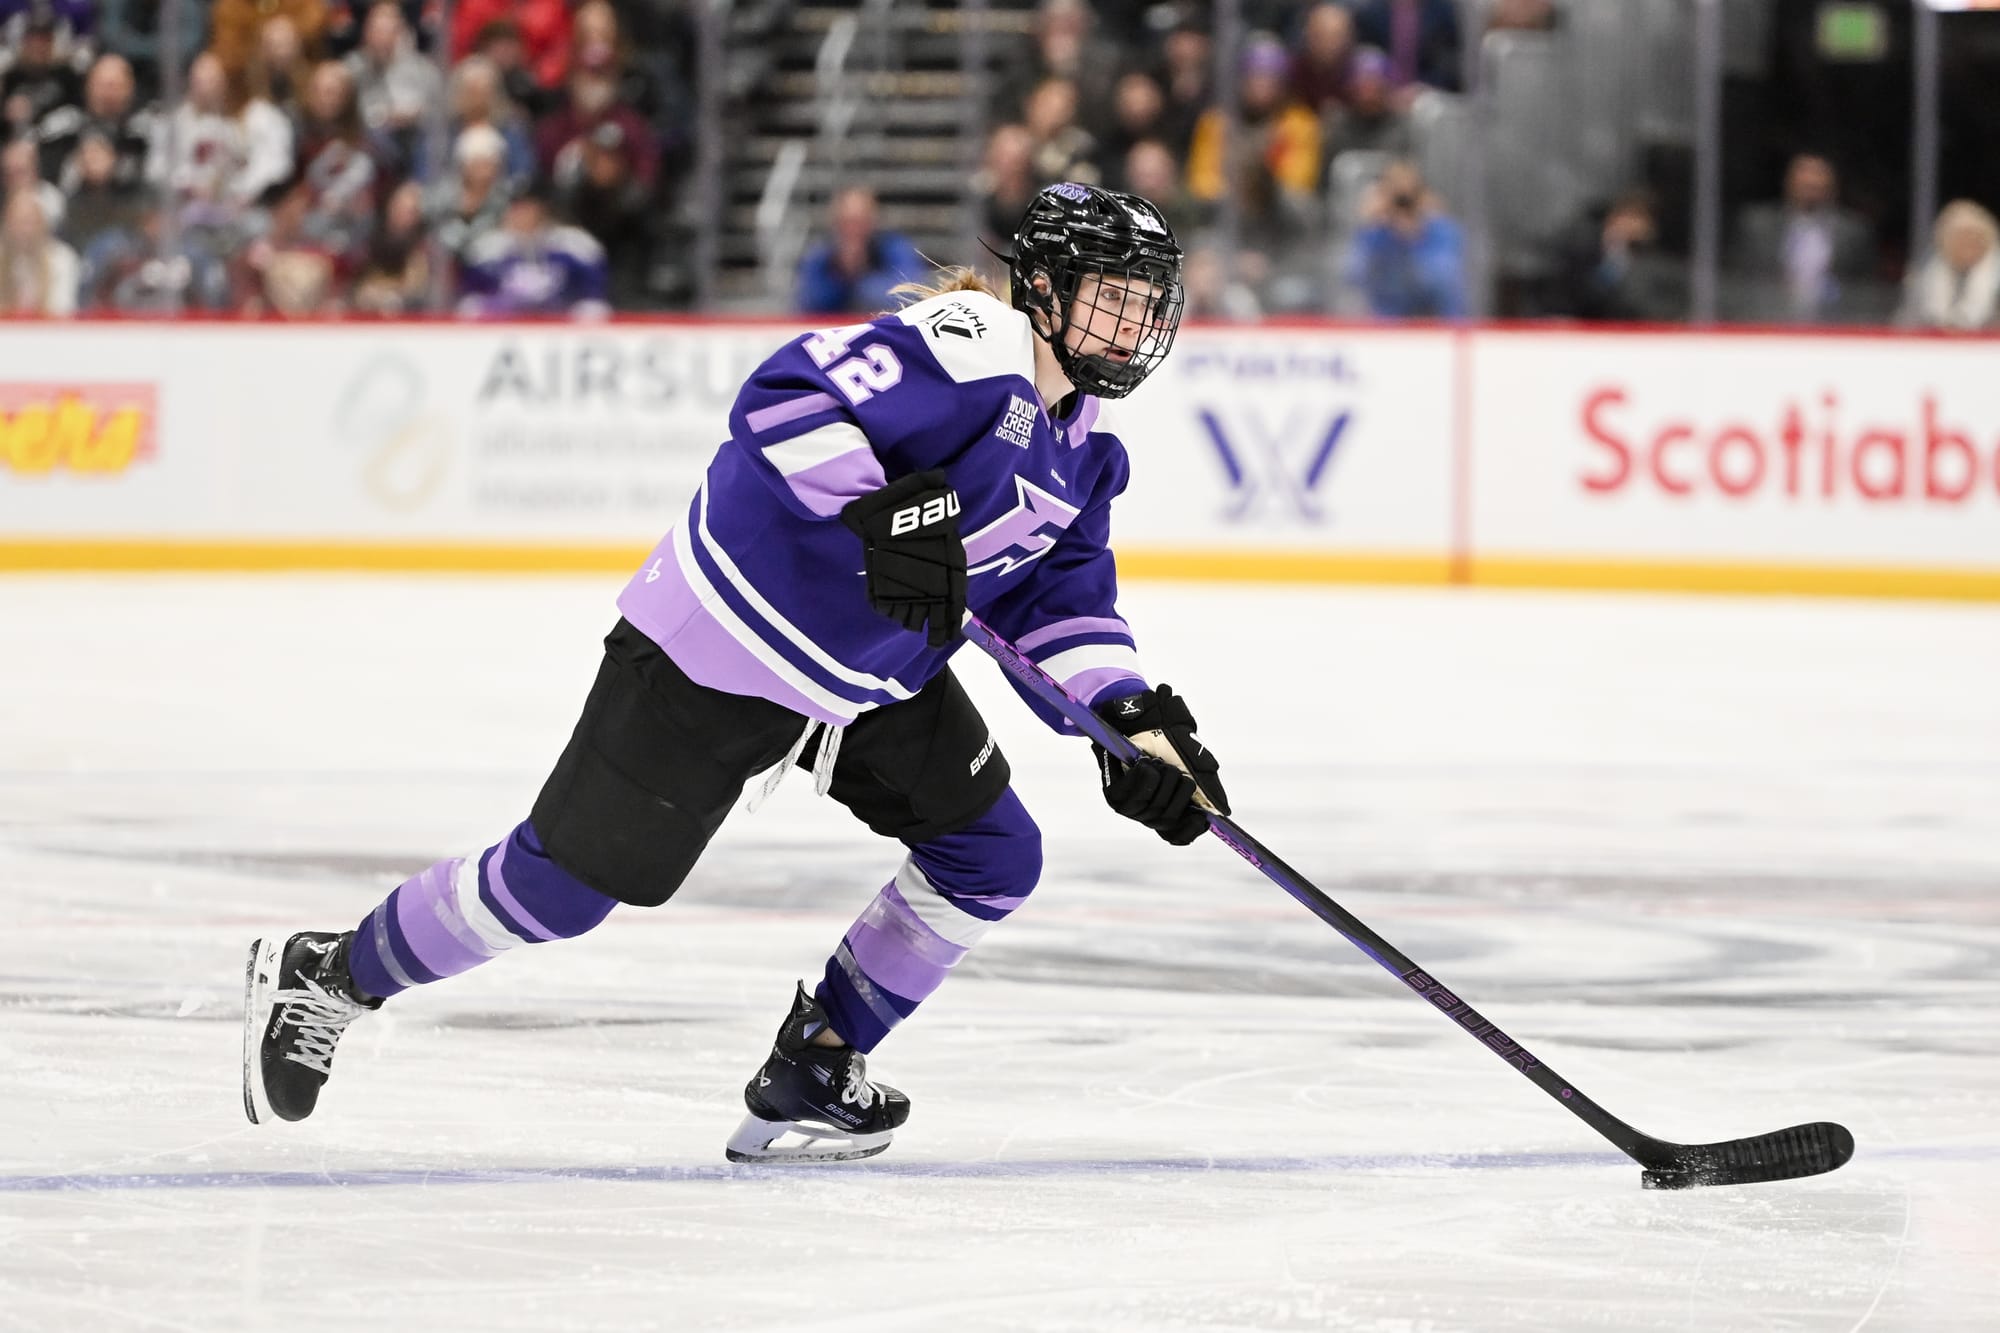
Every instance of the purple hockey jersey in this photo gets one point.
(760, 591)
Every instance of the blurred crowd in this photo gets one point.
(336, 157)
(380, 157)
(1330, 210)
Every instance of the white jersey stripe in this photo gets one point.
(770, 614)
(822, 444)
(727, 618)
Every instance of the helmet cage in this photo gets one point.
(1067, 252)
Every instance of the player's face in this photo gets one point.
(1112, 317)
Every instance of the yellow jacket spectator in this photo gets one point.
(238, 25)
(1282, 145)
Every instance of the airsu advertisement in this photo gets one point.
(1838, 463)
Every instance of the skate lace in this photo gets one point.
(318, 1017)
(859, 1091)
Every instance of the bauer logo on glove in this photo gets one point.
(912, 554)
(930, 512)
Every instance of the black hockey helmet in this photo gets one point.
(1071, 231)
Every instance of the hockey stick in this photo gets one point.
(1801, 1150)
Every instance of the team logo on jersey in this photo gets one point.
(1274, 469)
(1018, 426)
(956, 319)
(1022, 534)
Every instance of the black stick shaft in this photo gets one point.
(1623, 1136)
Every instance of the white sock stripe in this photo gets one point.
(385, 951)
(490, 929)
(884, 1012)
(935, 910)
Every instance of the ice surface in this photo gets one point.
(1728, 865)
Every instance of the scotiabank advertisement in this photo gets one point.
(1310, 452)
(1810, 450)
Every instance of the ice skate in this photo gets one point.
(814, 1103)
(297, 1000)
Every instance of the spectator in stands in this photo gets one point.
(137, 272)
(1800, 257)
(1213, 292)
(347, 21)
(500, 43)
(1064, 150)
(605, 199)
(852, 271)
(1368, 118)
(1187, 64)
(336, 164)
(38, 273)
(132, 29)
(1522, 16)
(21, 174)
(1064, 46)
(1138, 113)
(281, 64)
(286, 271)
(101, 198)
(539, 34)
(1151, 172)
(73, 25)
(1419, 36)
(1958, 286)
(108, 111)
(477, 98)
(38, 82)
(238, 23)
(1614, 268)
(1279, 149)
(398, 89)
(648, 84)
(396, 273)
(1005, 184)
(1326, 46)
(532, 266)
(224, 148)
(1408, 259)
(470, 201)
(597, 43)
(591, 99)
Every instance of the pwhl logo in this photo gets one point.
(95, 429)
(1281, 467)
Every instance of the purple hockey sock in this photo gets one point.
(459, 913)
(948, 893)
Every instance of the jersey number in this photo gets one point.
(860, 378)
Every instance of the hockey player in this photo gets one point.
(944, 456)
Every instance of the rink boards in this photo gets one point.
(1311, 452)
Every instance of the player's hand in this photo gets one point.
(912, 554)
(1175, 778)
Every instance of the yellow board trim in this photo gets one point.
(124, 555)
(165, 556)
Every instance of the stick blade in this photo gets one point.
(1784, 1154)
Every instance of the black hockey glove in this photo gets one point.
(1165, 789)
(912, 553)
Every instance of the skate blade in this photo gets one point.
(259, 975)
(782, 1141)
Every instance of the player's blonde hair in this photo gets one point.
(955, 278)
